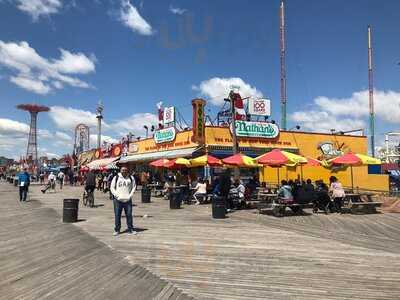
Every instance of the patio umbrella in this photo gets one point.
(205, 160)
(160, 163)
(240, 160)
(178, 163)
(312, 162)
(352, 159)
(278, 158)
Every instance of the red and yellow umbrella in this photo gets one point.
(178, 163)
(205, 160)
(352, 159)
(312, 162)
(160, 163)
(277, 157)
(240, 160)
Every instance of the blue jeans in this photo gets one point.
(127, 207)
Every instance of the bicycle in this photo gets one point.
(88, 198)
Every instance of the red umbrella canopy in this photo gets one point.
(347, 159)
(273, 158)
(160, 163)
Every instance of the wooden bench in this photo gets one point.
(355, 204)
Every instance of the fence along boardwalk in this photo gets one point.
(41, 258)
(244, 258)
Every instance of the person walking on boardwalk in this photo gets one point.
(61, 177)
(24, 180)
(122, 187)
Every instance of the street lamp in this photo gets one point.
(147, 130)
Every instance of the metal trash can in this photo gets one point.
(146, 194)
(175, 199)
(70, 210)
(218, 207)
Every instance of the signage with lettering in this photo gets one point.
(169, 115)
(260, 107)
(165, 135)
(199, 134)
(133, 148)
(256, 129)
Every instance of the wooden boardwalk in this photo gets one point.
(251, 256)
(42, 258)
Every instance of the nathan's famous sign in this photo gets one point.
(256, 129)
(165, 135)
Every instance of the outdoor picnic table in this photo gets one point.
(353, 203)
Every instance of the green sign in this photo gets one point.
(256, 129)
(165, 135)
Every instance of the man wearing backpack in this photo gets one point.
(122, 187)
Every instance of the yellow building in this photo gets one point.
(218, 142)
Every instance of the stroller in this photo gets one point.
(322, 201)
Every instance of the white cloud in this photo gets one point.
(67, 118)
(387, 105)
(38, 8)
(104, 138)
(322, 121)
(177, 10)
(131, 18)
(218, 88)
(31, 84)
(11, 128)
(40, 75)
(77, 63)
(135, 124)
(349, 113)
(63, 136)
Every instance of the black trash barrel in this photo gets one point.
(175, 199)
(218, 207)
(70, 210)
(146, 194)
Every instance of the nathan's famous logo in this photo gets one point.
(256, 129)
(165, 135)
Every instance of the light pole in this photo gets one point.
(147, 130)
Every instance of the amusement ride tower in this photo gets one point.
(34, 110)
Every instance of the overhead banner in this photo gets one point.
(260, 107)
(165, 135)
(169, 115)
(199, 134)
(256, 129)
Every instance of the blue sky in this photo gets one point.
(131, 54)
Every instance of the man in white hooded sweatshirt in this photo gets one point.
(122, 187)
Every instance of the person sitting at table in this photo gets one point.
(200, 191)
(285, 192)
(252, 186)
(240, 189)
(337, 193)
